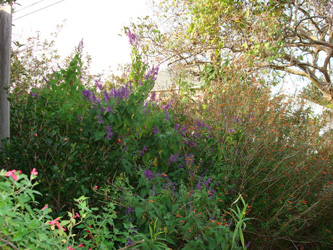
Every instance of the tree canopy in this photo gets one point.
(294, 37)
(7, 2)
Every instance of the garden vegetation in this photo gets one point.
(98, 167)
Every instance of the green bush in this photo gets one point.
(269, 149)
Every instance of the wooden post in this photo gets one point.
(5, 45)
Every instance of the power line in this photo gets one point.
(29, 6)
(38, 10)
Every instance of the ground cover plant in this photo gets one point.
(237, 169)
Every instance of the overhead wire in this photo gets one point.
(38, 10)
(29, 6)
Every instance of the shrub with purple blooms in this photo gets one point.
(171, 173)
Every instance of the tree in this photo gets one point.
(291, 36)
(7, 2)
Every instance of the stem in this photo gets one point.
(135, 243)
(8, 243)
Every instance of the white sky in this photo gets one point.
(98, 22)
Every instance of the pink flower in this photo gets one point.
(35, 134)
(65, 139)
(81, 245)
(89, 235)
(96, 187)
(76, 215)
(71, 248)
(59, 226)
(34, 172)
(44, 207)
(54, 221)
(11, 173)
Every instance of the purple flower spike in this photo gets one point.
(132, 38)
(152, 73)
(153, 96)
(129, 242)
(155, 130)
(99, 85)
(80, 47)
(45, 79)
(129, 210)
(148, 174)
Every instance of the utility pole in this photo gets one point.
(5, 47)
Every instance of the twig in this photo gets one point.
(9, 243)
(135, 243)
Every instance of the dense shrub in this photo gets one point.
(269, 149)
(175, 169)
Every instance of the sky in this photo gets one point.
(97, 22)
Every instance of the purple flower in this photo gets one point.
(173, 158)
(201, 124)
(247, 245)
(152, 73)
(177, 126)
(89, 95)
(155, 130)
(108, 132)
(121, 93)
(129, 242)
(80, 47)
(109, 109)
(153, 96)
(192, 144)
(167, 115)
(129, 210)
(32, 95)
(183, 130)
(198, 185)
(99, 85)
(47, 81)
(142, 152)
(166, 107)
(132, 38)
(100, 119)
(148, 174)
(106, 96)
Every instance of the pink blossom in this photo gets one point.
(35, 134)
(81, 245)
(11, 173)
(54, 221)
(44, 207)
(76, 215)
(71, 248)
(34, 172)
(96, 187)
